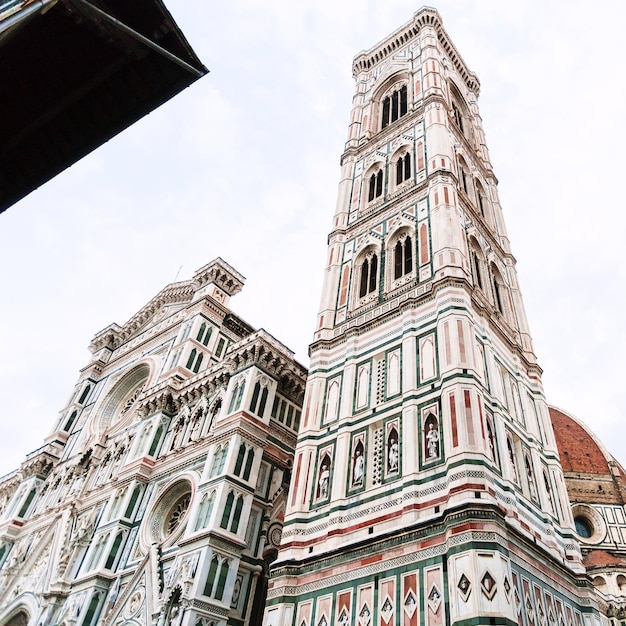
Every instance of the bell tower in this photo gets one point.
(426, 486)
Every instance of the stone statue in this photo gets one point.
(393, 455)
(358, 469)
(323, 481)
(432, 441)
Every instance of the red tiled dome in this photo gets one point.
(578, 449)
(601, 558)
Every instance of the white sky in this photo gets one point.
(245, 165)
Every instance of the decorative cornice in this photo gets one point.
(114, 335)
(425, 17)
(268, 354)
(221, 274)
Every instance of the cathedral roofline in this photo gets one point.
(219, 273)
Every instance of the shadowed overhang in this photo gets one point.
(75, 73)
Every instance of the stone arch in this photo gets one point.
(466, 180)
(119, 401)
(21, 612)
(374, 179)
(500, 291)
(477, 263)
(459, 111)
(393, 80)
(400, 255)
(401, 166)
(366, 274)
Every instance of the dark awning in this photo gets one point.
(75, 73)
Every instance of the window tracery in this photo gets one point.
(394, 106)
(375, 185)
(368, 275)
(403, 257)
(403, 168)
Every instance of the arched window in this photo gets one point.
(464, 177)
(228, 507)
(255, 396)
(403, 168)
(369, 271)
(198, 363)
(240, 396)
(218, 461)
(70, 421)
(204, 512)
(477, 262)
(191, 359)
(403, 257)
(157, 439)
(221, 581)
(83, 396)
(239, 462)
(236, 398)
(491, 442)
(530, 477)
(210, 579)
(201, 331)
(130, 509)
(476, 268)
(204, 333)
(394, 106)
(26, 505)
(263, 402)
(249, 462)
(97, 552)
(510, 446)
(458, 118)
(375, 185)
(234, 525)
(498, 289)
(481, 199)
(546, 483)
(90, 615)
(110, 563)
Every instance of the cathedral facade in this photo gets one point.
(159, 495)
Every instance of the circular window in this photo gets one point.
(122, 399)
(169, 513)
(583, 527)
(588, 523)
(177, 513)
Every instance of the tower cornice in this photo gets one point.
(425, 17)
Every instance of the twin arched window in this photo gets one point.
(403, 168)
(247, 454)
(402, 257)
(254, 402)
(204, 512)
(369, 275)
(230, 517)
(375, 185)
(216, 578)
(235, 400)
(394, 106)
(497, 284)
(479, 271)
(219, 460)
(458, 118)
